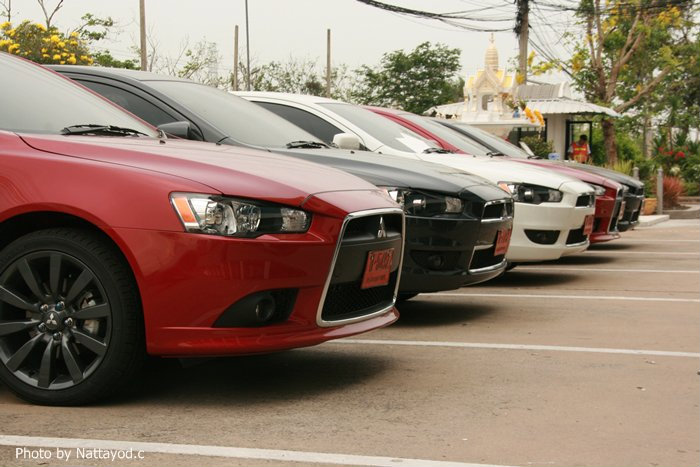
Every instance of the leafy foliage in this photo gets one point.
(673, 189)
(40, 44)
(538, 145)
(413, 81)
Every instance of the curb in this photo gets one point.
(648, 221)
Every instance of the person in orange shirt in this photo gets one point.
(579, 150)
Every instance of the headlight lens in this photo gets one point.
(217, 215)
(416, 203)
(599, 190)
(532, 194)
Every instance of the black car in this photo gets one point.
(633, 197)
(453, 219)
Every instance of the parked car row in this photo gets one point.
(144, 214)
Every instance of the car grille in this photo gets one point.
(576, 236)
(344, 297)
(585, 201)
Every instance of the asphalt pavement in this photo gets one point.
(588, 361)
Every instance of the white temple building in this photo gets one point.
(492, 99)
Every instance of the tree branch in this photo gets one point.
(48, 16)
(644, 91)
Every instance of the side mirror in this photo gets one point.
(346, 141)
(184, 130)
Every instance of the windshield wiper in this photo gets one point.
(93, 129)
(305, 145)
(436, 151)
(495, 154)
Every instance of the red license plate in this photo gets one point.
(588, 225)
(502, 242)
(377, 268)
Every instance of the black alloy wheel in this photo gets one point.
(62, 317)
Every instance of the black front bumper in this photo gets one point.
(446, 254)
(633, 209)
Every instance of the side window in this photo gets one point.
(317, 126)
(137, 105)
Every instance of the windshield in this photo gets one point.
(387, 132)
(493, 141)
(241, 120)
(460, 141)
(36, 100)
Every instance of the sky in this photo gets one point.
(280, 29)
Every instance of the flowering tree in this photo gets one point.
(40, 44)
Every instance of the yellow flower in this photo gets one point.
(12, 48)
(5, 42)
(45, 55)
(5, 25)
(61, 44)
(62, 62)
(90, 60)
(45, 39)
(57, 57)
(40, 26)
(74, 34)
(72, 60)
(83, 58)
(73, 42)
(54, 38)
(44, 50)
(11, 32)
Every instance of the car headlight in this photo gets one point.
(416, 203)
(219, 215)
(532, 194)
(599, 190)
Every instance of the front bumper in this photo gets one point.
(607, 214)
(633, 209)
(563, 218)
(188, 282)
(446, 254)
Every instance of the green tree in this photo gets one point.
(628, 48)
(413, 81)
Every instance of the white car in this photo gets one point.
(553, 212)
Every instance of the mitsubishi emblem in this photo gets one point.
(382, 229)
(51, 321)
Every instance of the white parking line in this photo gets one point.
(625, 252)
(566, 297)
(655, 240)
(228, 452)
(548, 348)
(587, 270)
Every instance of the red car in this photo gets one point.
(609, 194)
(116, 242)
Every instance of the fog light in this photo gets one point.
(265, 309)
(436, 261)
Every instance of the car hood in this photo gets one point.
(229, 170)
(588, 177)
(619, 177)
(498, 170)
(398, 172)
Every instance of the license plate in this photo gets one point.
(377, 268)
(502, 242)
(588, 225)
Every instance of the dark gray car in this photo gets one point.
(453, 219)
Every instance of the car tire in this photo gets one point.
(71, 325)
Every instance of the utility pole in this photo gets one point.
(234, 82)
(328, 63)
(247, 48)
(522, 29)
(142, 28)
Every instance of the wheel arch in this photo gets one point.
(19, 224)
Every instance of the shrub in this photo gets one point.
(691, 188)
(39, 44)
(673, 189)
(539, 146)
